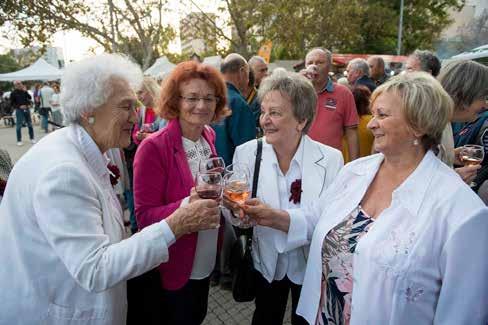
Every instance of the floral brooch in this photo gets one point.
(296, 191)
(114, 172)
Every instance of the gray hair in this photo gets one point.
(361, 65)
(429, 62)
(298, 89)
(232, 63)
(328, 54)
(255, 59)
(87, 85)
(466, 81)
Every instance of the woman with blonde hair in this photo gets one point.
(148, 96)
(401, 239)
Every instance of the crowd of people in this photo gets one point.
(365, 205)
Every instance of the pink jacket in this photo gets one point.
(162, 178)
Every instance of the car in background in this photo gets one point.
(479, 54)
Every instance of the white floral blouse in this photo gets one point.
(337, 267)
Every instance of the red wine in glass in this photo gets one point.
(209, 192)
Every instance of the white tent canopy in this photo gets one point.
(214, 61)
(160, 69)
(39, 70)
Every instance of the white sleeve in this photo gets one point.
(304, 219)
(464, 268)
(69, 213)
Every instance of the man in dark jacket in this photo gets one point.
(240, 127)
(21, 101)
(358, 74)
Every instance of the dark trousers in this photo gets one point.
(187, 305)
(23, 116)
(271, 300)
(143, 299)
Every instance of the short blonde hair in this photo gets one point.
(150, 85)
(426, 106)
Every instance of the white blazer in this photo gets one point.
(422, 262)
(63, 257)
(320, 166)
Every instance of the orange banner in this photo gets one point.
(265, 51)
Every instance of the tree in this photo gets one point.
(347, 26)
(135, 28)
(475, 33)
(7, 64)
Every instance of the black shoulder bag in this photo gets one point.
(242, 266)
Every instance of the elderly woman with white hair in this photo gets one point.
(61, 228)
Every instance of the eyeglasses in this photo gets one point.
(193, 100)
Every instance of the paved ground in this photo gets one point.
(222, 309)
(8, 140)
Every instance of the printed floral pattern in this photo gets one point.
(337, 267)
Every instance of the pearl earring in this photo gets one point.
(91, 120)
(416, 142)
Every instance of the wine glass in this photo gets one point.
(471, 155)
(214, 164)
(209, 185)
(237, 189)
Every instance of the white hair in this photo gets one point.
(255, 59)
(360, 64)
(86, 85)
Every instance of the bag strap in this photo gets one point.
(257, 166)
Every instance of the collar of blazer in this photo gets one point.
(411, 192)
(314, 172)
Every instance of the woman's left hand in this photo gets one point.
(266, 216)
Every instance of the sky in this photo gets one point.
(76, 47)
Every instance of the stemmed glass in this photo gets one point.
(214, 164)
(209, 185)
(471, 155)
(237, 189)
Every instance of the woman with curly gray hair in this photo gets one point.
(61, 227)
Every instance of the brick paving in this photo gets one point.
(223, 310)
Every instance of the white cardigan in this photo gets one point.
(320, 166)
(424, 260)
(63, 257)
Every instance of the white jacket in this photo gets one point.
(320, 166)
(423, 261)
(63, 257)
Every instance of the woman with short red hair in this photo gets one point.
(165, 165)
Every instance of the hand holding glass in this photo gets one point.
(471, 155)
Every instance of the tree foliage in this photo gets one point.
(347, 26)
(136, 28)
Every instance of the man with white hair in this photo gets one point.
(358, 74)
(260, 69)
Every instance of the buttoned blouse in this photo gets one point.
(287, 262)
(206, 250)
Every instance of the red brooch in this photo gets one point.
(114, 174)
(296, 191)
